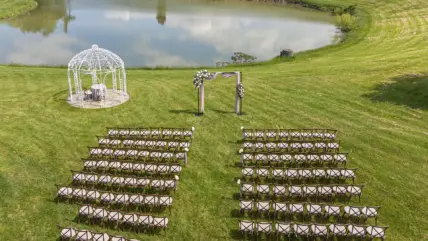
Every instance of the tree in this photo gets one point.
(222, 64)
(242, 58)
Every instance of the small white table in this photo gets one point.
(98, 90)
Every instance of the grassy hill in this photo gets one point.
(374, 89)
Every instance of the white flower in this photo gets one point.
(239, 182)
(240, 151)
(186, 149)
(193, 129)
(242, 127)
(176, 177)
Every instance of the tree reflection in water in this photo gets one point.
(44, 18)
(161, 11)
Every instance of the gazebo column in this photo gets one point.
(113, 75)
(69, 86)
(76, 85)
(119, 76)
(124, 80)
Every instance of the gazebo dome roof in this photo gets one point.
(96, 58)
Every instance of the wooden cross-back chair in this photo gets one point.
(287, 134)
(246, 227)
(67, 233)
(263, 228)
(110, 153)
(160, 222)
(319, 230)
(283, 229)
(142, 143)
(152, 132)
(297, 158)
(376, 232)
(357, 230)
(322, 146)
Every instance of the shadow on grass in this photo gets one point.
(235, 164)
(409, 90)
(235, 213)
(183, 112)
(235, 234)
(236, 196)
(61, 96)
(223, 112)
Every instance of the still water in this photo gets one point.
(161, 32)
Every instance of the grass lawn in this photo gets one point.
(373, 89)
(10, 8)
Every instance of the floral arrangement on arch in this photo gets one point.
(240, 90)
(200, 77)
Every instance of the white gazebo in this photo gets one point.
(94, 68)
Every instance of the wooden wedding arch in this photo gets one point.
(212, 76)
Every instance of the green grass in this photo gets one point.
(373, 88)
(11, 8)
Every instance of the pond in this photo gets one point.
(161, 32)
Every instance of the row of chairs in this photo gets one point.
(124, 182)
(112, 198)
(288, 134)
(298, 146)
(309, 209)
(289, 174)
(152, 132)
(143, 143)
(120, 153)
(137, 168)
(119, 219)
(276, 158)
(300, 191)
(311, 230)
(70, 233)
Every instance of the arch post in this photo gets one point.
(237, 99)
(202, 99)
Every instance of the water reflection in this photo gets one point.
(68, 17)
(44, 18)
(200, 33)
(161, 12)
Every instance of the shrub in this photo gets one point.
(323, 9)
(352, 9)
(337, 11)
(346, 22)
